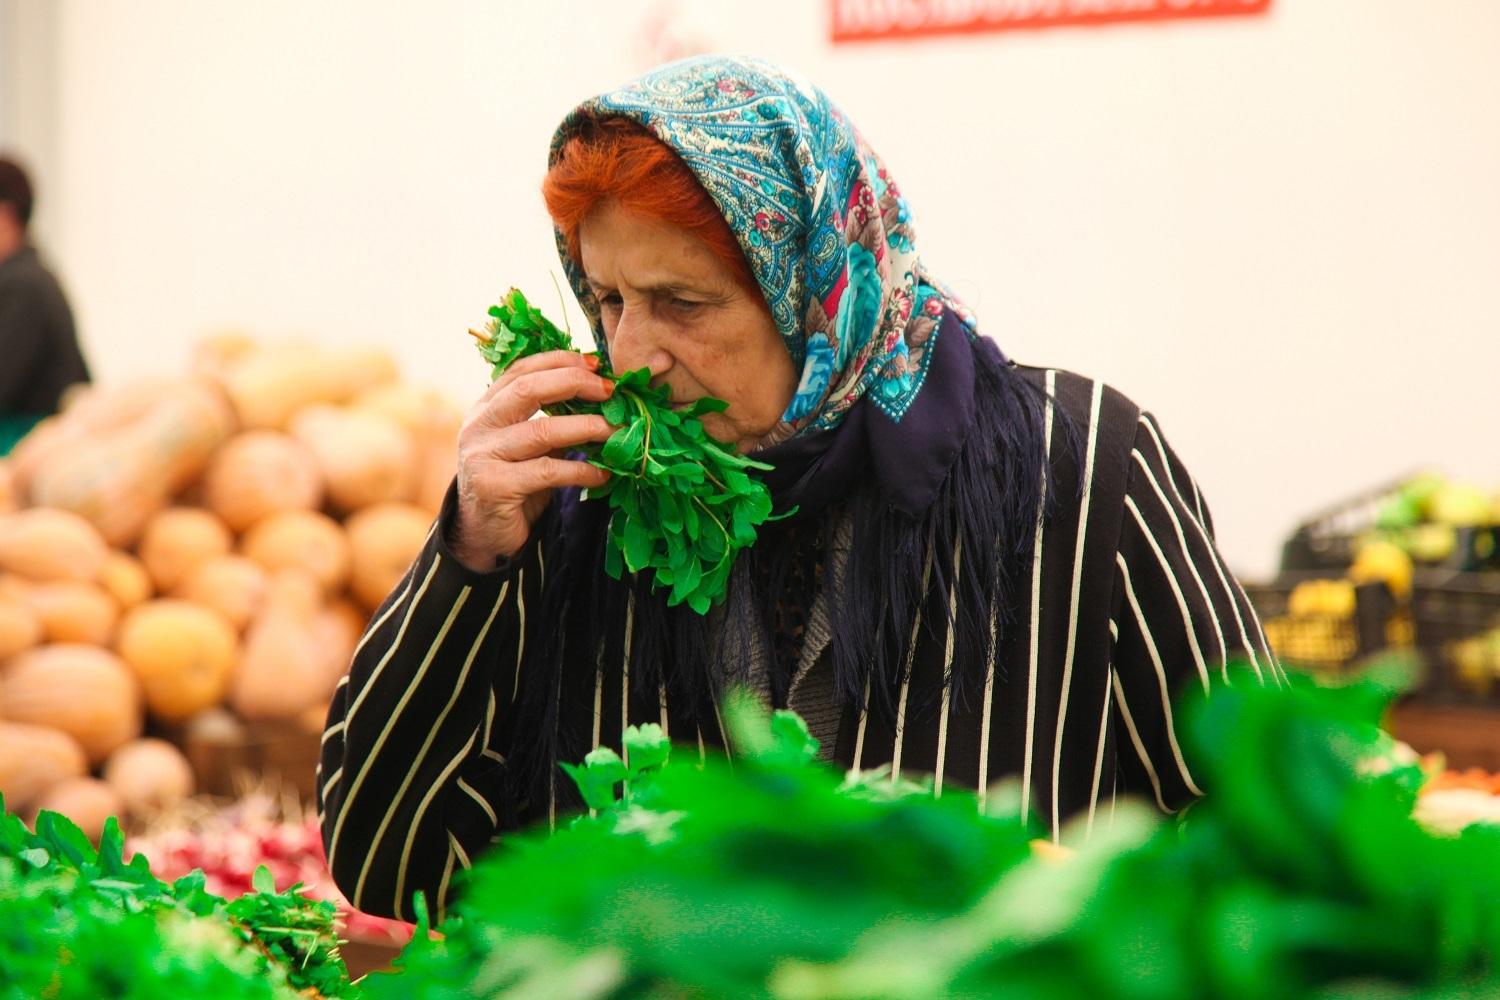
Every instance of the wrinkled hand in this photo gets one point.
(509, 463)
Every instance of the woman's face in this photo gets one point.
(669, 304)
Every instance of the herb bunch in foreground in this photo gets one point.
(683, 503)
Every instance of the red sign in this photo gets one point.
(866, 20)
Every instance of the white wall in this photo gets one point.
(1281, 234)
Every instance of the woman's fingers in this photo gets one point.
(520, 480)
(529, 392)
(545, 435)
(537, 363)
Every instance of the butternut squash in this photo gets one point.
(215, 354)
(284, 670)
(259, 473)
(234, 586)
(149, 775)
(33, 759)
(70, 611)
(10, 494)
(125, 579)
(43, 544)
(270, 385)
(304, 540)
(383, 541)
(20, 628)
(182, 653)
(366, 458)
(97, 409)
(118, 477)
(178, 540)
(88, 802)
(85, 691)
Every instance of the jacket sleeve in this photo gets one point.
(410, 778)
(1178, 617)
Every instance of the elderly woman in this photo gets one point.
(993, 571)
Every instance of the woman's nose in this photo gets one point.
(635, 344)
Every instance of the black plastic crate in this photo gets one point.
(1328, 643)
(1326, 542)
(1451, 612)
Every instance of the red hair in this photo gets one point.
(614, 159)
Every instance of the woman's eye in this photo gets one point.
(610, 301)
(685, 305)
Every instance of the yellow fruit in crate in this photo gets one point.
(1470, 666)
(1431, 542)
(1385, 562)
(1461, 505)
(1322, 599)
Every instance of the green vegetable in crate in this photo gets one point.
(1301, 875)
(683, 503)
(76, 922)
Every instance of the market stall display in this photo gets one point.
(771, 874)
(1410, 565)
(174, 547)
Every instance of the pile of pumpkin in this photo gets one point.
(173, 548)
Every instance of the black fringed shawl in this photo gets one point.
(965, 465)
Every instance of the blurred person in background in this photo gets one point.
(39, 353)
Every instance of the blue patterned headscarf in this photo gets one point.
(823, 225)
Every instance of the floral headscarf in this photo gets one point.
(824, 227)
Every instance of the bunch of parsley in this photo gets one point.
(683, 504)
(80, 922)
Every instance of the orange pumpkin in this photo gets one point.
(20, 628)
(178, 540)
(70, 611)
(88, 802)
(149, 775)
(234, 586)
(33, 759)
(259, 473)
(285, 667)
(433, 420)
(366, 458)
(182, 653)
(383, 541)
(125, 579)
(304, 540)
(45, 544)
(85, 691)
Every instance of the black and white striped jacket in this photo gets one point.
(1128, 603)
